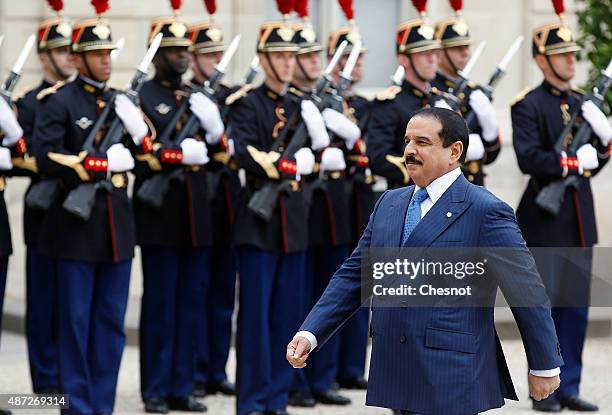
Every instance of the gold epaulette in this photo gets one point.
(296, 92)
(238, 95)
(389, 93)
(521, 95)
(578, 90)
(472, 85)
(50, 91)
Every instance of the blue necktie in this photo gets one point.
(413, 216)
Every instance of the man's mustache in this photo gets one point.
(410, 159)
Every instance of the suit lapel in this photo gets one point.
(438, 218)
(395, 219)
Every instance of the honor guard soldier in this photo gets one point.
(484, 145)
(12, 145)
(539, 116)
(329, 224)
(216, 319)
(351, 360)
(271, 244)
(41, 278)
(174, 232)
(93, 254)
(393, 107)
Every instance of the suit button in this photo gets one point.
(402, 339)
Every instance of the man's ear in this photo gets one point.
(456, 151)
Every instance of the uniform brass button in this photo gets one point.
(402, 339)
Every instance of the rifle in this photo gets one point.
(496, 77)
(81, 200)
(153, 190)
(263, 201)
(456, 93)
(6, 90)
(550, 198)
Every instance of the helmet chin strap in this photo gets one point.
(306, 76)
(56, 68)
(90, 73)
(267, 55)
(450, 61)
(554, 71)
(200, 70)
(418, 75)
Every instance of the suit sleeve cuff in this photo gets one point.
(310, 337)
(541, 373)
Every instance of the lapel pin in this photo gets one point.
(448, 214)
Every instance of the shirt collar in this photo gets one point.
(436, 188)
(95, 84)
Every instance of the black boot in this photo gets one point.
(225, 387)
(186, 404)
(550, 404)
(574, 403)
(331, 398)
(301, 398)
(156, 406)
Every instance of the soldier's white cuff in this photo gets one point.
(310, 337)
(546, 373)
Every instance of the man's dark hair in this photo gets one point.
(453, 129)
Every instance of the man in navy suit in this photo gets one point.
(428, 360)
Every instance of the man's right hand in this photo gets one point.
(297, 351)
(541, 387)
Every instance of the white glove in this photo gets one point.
(442, 104)
(342, 126)
(485, 113)
(9, 125)
(5, 158)
(209, 116)
(598, 121)
(332, 159)
(304, 160)
(131, 118)
(119, 158)
(587, 158)
(195, 152)
(475, 150)
(315, 125)
(231, 147)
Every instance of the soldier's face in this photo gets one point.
(426, 63)
(310, 66)
(174, 59)
(62, 59)
(564, 64)
(425, 157)
(283, 63)
(204, 62)
(96, 61)
(459, 56)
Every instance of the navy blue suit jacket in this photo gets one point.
(441, 360)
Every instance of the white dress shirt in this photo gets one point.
(435, 190)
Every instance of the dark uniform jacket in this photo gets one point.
(389, 115)
(184, 218)
(66, 115)
(6, 248)
(256, 120)
(26, 115)
(327, 195)
(362, 197)
(537, 123)
(224, 186)
(472, 170)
